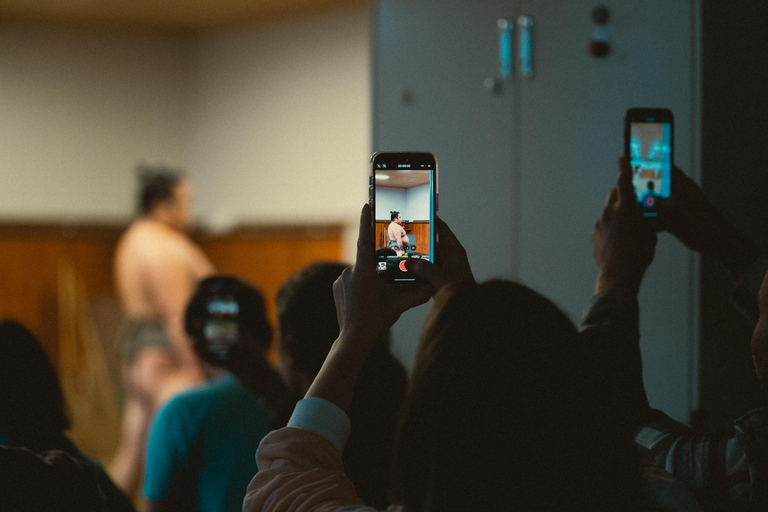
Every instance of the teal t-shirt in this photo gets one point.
(202, 445)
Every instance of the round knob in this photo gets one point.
(492, 84)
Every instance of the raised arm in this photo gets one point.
(300, 466)
(623, 247)
(727, 468)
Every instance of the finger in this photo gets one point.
(678, 177)
(366, 257)
(338, 299)
(624, 183)
(414, 296)
(447, 238)
(432, 274)
(612, 197)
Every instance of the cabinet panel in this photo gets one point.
(431, 59)
(570, 137)
(525, 166)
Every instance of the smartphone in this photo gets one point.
(403, 198)
(221, 328)
(649, 148)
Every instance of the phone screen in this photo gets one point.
(650, 155)
(403, 198)
(221, 329)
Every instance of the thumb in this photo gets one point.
(432, 274)
(624, 183)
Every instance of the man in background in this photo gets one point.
(156, 270)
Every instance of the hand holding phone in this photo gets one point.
(649, 149)
(403, 198)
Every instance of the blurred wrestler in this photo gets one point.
(157, 268)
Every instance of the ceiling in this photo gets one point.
(402, 179)
(175, 17)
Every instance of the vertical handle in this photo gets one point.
(505, 48)
(525, 24)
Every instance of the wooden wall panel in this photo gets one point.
(36, 260)
(30, 256)
(420, 229)
(265, 258)
(382, 238)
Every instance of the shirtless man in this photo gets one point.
(397, 234)
(156, 270)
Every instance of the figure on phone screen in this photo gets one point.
(398, 240)
(649, 197)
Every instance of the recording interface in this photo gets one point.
(650, 158)
(404, 223)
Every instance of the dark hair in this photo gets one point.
(251, 318)
(245, 356)
(393, 215)
(504, 412)
(308, 327)
(31, 401)
(156, 184)
(306, 315)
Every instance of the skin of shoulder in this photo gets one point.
(152, 255)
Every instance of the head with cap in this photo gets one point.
(226, 319)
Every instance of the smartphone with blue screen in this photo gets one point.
(403, 198)
(649, 148)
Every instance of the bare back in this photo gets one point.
(156, 270)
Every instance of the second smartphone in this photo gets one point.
(403, 198)
(649, 147)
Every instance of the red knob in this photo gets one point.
(598, 48)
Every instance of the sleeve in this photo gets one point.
(300, 469)
(168, 447)
(610, 331)
(723, 467)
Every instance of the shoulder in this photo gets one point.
(187, 407)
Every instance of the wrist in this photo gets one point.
(360, 333)
(609, 280)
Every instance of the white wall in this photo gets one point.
(418, 203)
(281, 122)
(78, 111)
(389, 200)
(412, 203)
(272, 122)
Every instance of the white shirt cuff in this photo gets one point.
(324, 418)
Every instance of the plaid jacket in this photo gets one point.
(726, 470)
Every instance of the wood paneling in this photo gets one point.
(30, 257)
(57, 280)
(266, 257)
(420, 229)
(382, 238)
